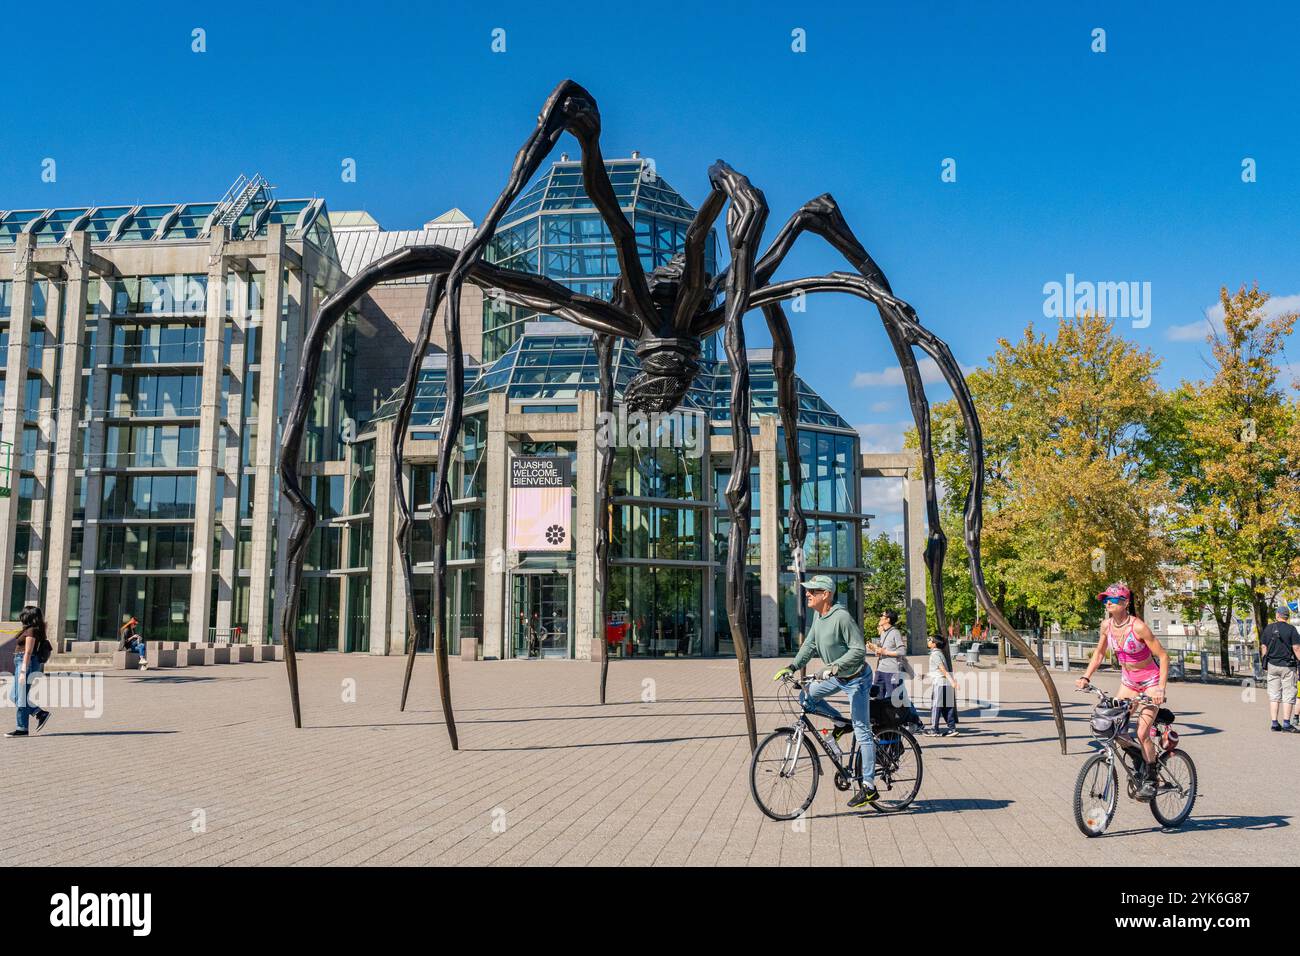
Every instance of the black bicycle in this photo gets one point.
(1096, 792)
(786, 768)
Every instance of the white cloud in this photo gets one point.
(884, 493)
(879, 407)
(882, 437)
(893, 375)
(1213, 321)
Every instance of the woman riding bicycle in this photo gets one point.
(1144, 667)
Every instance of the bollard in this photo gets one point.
(1205, 667)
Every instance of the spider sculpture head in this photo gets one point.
(669, 362)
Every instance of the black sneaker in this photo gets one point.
(16, 733)
(1275, 726)
(42, 720)
(841, 730)
(864, 796)
(1148, 788)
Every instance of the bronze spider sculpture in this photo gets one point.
(666, 313)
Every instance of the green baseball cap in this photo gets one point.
(819, 582)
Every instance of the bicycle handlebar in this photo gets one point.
(1094, 689)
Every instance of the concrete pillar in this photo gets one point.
(264, 457)
(45, 437)
(495, 570)
(769, 537)
(588, 629)
(96, 431)
(302, 308)
(12, 415)
(63, 499)
(207, 485)
(708, 612)
(397, 608)
(232, 465)
(914, 531)
(341, 635)
(384, 574)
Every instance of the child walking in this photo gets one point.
(943, 691)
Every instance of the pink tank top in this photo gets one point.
(1130, 649)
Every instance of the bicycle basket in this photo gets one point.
(1109, 722)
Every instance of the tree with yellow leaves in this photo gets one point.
(1231, 446)
(1071, 501)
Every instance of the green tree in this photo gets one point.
(884, 584)
(1070, 499)
(1231, 446)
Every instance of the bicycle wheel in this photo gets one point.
(898, 770)
(1175, 790)
(782, 780)
(1096, 795)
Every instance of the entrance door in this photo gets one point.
(540, 625)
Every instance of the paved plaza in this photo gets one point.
(203, 766)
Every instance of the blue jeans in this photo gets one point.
(18, 694)
(858, 690)
(137, 646)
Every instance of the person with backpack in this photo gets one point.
(32, 650)
(1281, 646)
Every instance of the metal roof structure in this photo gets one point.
(247, 209)
(360, 244)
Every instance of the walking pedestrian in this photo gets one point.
(31, 652)
(1280, 645)
(943, 691)
(892, 668)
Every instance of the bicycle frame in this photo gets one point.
(851, 770)
(1125, 743)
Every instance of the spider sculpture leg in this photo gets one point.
(571, 108)
(787, 403)
(822, 216)
(528, 291)
(746, 216)
(898, 314)
(448, 435)
(604, 503)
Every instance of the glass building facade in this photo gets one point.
(669, 521)
(185, 353)
(172, 330)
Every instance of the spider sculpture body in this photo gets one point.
(667, 314)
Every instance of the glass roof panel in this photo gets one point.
(12, 225)
(55, 226)
(145, 223)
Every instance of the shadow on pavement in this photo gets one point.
(107, 733)
(1202, 824)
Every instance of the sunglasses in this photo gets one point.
(1114, 600)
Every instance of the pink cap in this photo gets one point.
(1115, 590)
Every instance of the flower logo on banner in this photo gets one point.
(554, 534)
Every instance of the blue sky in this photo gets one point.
(1122, 166)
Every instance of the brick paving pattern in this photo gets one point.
(204, 767)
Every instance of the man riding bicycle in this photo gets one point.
(1144, 667)
(836, 640)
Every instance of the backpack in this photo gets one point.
(43, 648)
